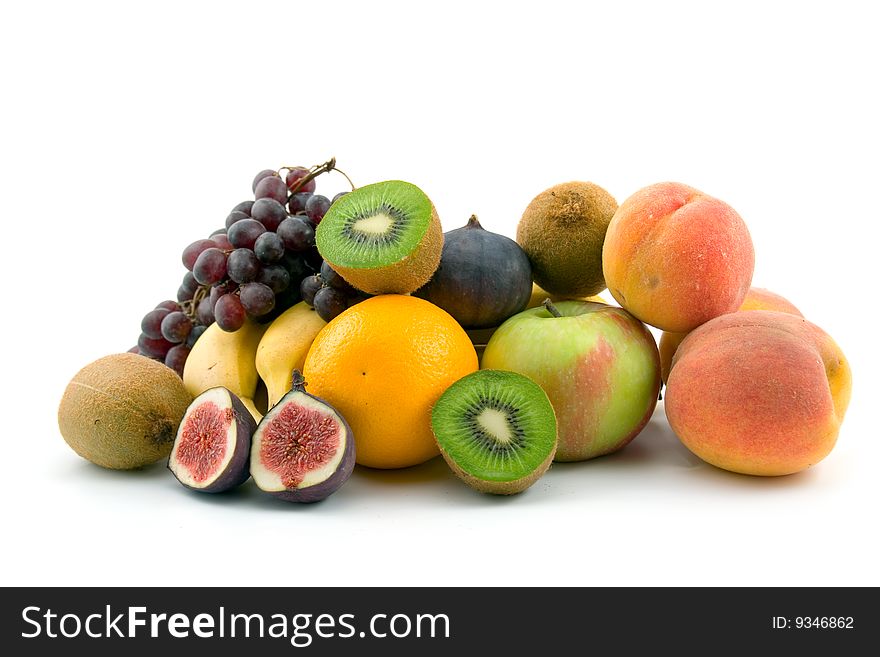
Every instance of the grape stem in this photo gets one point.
(314, 172)
(189, 307)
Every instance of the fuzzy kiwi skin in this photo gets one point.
(122, 411)
(332, 483)
(499, 487)
(562, 231)
(237, 471)
(404, 276)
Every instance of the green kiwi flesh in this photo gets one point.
(496, 430)
(375, 225)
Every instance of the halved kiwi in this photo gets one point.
(496, 430)
(383, 238)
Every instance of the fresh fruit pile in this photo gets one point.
(313, 334)
(252, 268)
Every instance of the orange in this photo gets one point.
(382, 364)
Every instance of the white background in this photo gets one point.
(129, 130)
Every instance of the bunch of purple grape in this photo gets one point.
(251, 268)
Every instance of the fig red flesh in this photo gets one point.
(298, 440)
(211, 452)
(303, 450)
(202, 445)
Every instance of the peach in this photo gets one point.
(756, 299)
(758, 392)
(675, 257)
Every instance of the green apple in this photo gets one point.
(598, 364)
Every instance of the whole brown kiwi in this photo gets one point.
(122, 411)
(562, 232)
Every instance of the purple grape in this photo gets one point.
(257, 299)
(151, 324)
(195, 334)
(243, 266)
(218, 291)
(189, 282)
(296, 234)
(265, 173)
(210, 266)
(337, 197)
(329, 302)
(333, 279)
(297, 202)
(275, 276)
(204, 313)
(296, 174)
(152, 348)
(176, 358)
(135, 350)
(234, 217)
(229, 313)
(219, 231)
(175, 327)
(269, 212)
(269, 248)
(327, 272)
(244, 233)
(317, 207)
(222, 242)
(169, 305)
(193, 251)
(309, 287)
(188, 287)
(271, 187)
(244, 206)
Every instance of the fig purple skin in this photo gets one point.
(483, 278)
(323, 488)
(237, 469)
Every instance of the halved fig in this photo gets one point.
(213, 443)
(303, 449)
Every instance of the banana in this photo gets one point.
(284, 347)
(226, 359)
